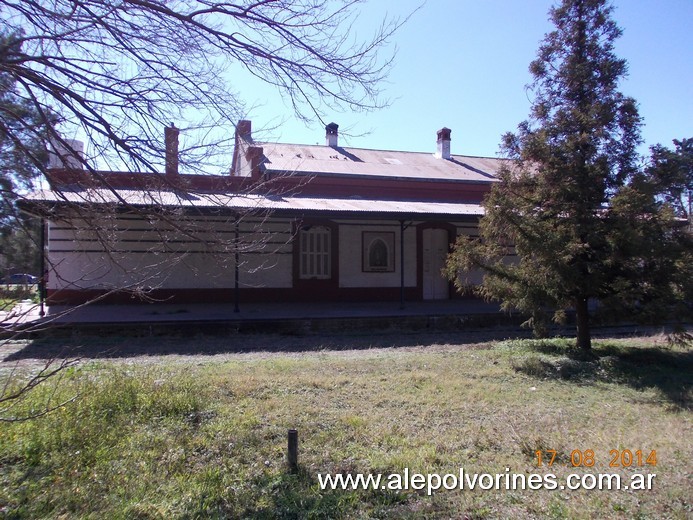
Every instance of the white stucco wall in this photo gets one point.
(141, 254)
(351, 272)
(127, 251)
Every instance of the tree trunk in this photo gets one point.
(582, 317)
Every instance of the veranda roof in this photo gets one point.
(43, 200)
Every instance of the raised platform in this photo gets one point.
(191, 319)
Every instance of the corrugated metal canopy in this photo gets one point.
(298, 205)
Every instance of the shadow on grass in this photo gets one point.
(112, 347)
(669, 371)
(298, 495)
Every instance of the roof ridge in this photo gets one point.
(322, 146)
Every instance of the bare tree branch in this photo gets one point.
(114, 73)
(119, 71)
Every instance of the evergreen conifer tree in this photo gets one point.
(573, 203)
(23, 152)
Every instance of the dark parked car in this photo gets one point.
(20, 278)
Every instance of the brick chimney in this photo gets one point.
(331, 135)
(66, 154)
(244, 129)
(443, 143)
(253, 156)
(171, 144)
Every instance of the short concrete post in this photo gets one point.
(292, 453)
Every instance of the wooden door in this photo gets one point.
(435, 251)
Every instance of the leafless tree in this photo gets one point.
(114, 73)
(117, 72)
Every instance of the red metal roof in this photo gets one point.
(326, 160)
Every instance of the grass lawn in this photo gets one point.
(205, 436)
(10, 295)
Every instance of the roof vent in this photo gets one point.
(443, 143)
(331, 134)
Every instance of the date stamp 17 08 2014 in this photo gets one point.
(588, 458)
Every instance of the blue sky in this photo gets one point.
(464, 64)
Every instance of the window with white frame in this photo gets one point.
(315, 253)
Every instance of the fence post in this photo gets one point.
(292, 453)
